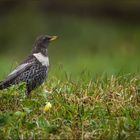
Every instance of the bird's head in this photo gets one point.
(42, 42)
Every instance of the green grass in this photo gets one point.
(101, 108)
(94, 94)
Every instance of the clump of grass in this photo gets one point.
(103, 108)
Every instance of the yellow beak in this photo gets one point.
(53, 38)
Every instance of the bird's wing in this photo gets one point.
(21, 68)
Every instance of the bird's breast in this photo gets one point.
(44, 60)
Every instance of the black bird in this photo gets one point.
(33, 70)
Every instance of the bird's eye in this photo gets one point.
(44, 38)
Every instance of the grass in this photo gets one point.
(90, 100)
(101, 108)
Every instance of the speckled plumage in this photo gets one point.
(33, 77)
(33, 70)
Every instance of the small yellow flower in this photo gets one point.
(47, 107)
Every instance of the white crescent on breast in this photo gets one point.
(44, 60)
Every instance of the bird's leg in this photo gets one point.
(28, 90)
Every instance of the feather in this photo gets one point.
(13, 75)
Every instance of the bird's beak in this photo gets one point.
(53, 38)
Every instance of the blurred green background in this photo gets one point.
(94, 36)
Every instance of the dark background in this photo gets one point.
(94, 36)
